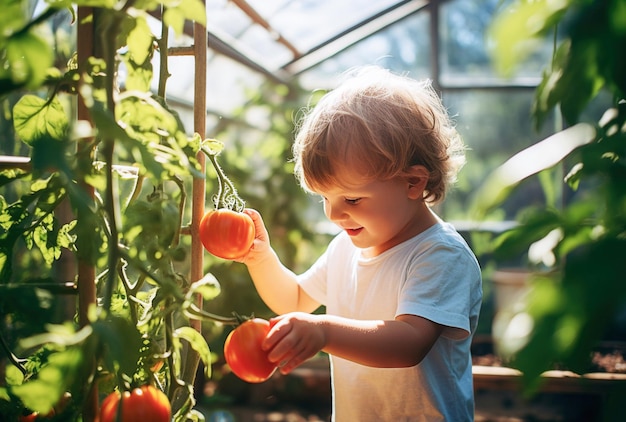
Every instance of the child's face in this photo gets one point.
(376, 215)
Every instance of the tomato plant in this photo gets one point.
(145, 403)
(243, 352)
(226, 233)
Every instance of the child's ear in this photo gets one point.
(417, 179)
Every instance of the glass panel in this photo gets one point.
(228, 84)
(304, 24)
(464, 57)
(494, 125)
(402, 47)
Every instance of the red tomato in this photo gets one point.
(226, 233)
(145, 403)
(36, 417)
(243, 353)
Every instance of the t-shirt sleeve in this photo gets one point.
(314, 280)
(440, 286)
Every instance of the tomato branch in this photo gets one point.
(145, 271)
(46, 15)
(174, 383)
(162, 43)
(110, 32)
(136, 189)
(192, 311)
(181, 209)
(130, 292)
(226, 196)
(15, 361)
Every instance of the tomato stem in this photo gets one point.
(194, 312)
(242, 318)
(226, 196)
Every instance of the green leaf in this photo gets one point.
(52, 381)
(59, 4)
(516, 31)
(12, 18)
(212, 146)
(175, 19)
(207, 286)
(177, 11)
(122, 342)
(66, 238)
(49, 250)
(36, 119)
(28, 58)
(198, 343)
(155, 137)
(139, 76)
(145, 117)
(536, 227)
(573, 65)
(61, 335)
(140, 41)
(140, 44)
(13, 376)
(540, 156)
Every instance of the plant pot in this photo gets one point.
(510, 286)
(510, 326)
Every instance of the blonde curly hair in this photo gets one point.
(379, 124)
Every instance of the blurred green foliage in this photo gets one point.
(579, 292)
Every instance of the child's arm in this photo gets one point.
(402, 342)
(275, 283)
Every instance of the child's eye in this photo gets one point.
(353, 201)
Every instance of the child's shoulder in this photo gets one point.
(443, 235)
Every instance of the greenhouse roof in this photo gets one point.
(285, 37)
(251, 41)
(312, 43)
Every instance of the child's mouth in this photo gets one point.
(354, 232)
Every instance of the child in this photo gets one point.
(402, 289)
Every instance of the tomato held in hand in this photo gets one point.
(243, 353)
(226, 233)
(145, 403)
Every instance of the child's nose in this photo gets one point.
(335, 212)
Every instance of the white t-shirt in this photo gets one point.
(434, 275)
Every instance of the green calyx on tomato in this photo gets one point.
(226, 234)
(146, 403)
(243, 352)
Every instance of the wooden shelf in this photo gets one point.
(501, 378)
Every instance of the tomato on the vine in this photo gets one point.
(226, 233)
(243, 352)
(36, 416)
(146, 403)
(30, 418)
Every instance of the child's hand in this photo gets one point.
(261, 245)
(294, 338)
